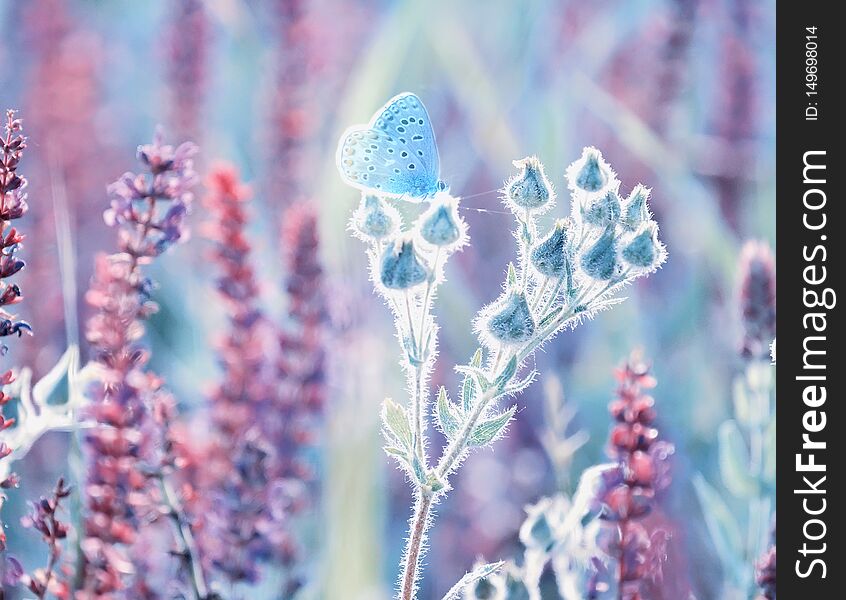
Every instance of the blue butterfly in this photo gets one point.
(395, 154)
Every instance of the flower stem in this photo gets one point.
(417, 535)
(184, 537)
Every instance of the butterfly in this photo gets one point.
(395, 154)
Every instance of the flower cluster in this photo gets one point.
(45, 520)
(291, 426)
(569, 272)
(603, 523)
(238, 519)
(291, 119)
(149, 210)
(746, 442)
(13, 206)
(563, 275)
(627, 493)
(187, 46)
(8, 479)
(757, 299)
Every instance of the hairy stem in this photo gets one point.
(455, 449)
(417, 535)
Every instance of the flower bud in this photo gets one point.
(551, 257)
(590, 173)
(643, 250)
(441, 225)
(530, 189)
(512, 321)
(515, 587)
(604, 210)
(375, 220)
(402, 269)
(635, 210)
(600, 260)
(484, 589)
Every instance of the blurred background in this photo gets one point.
(678, 95)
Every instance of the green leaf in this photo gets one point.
(519, 386)
(552, 315)
(435, 483)
(468, 393)
(488, 430)
(475, 575)
(734, 461)
(468, 387)
(724, 530)
(394, 451)
(448, 421)
(507, 374)
(478, 374)
(419, 473)
(396, 423)
(512, 275)
(476, 361)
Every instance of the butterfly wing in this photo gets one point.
(405, 118)
(396, 155)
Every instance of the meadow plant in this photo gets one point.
(45, 519)
(187, 46)
(628, 492)
(267, 406)
(13, 205)
(63, 106)
(35, 416)
(38, 406)
(559, 438)
(561, 277)
(291, 119)
(239, 524)
(738, 521)
(597, 543)
(294, 422)
(130, 448)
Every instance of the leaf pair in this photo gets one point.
(452, 419)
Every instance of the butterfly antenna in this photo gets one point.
(480, 194)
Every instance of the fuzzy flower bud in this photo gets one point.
(374, 220)
(590, 173)
(484, 589)
(441, 225)
(635, 210)
(401, 268)
(600, 260)
(512, 322)
(604, 210)
(530, 189)
(644, 249)
(551, 256)
(515, 587)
